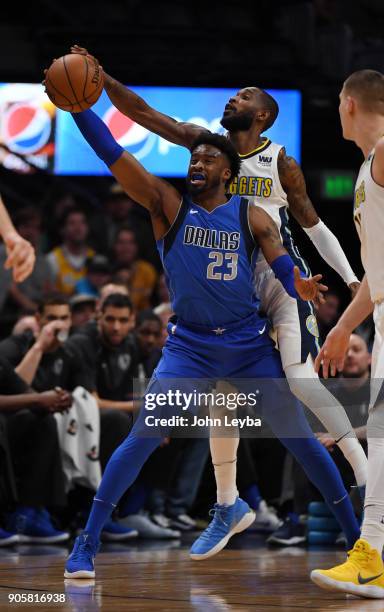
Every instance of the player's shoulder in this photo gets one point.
(379, 148)
(276, 145)
(378, 163)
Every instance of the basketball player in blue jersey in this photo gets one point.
(208, 244)
(274, 181)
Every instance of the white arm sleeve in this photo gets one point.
(330, 249)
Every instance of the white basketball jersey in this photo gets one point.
(259, 182)
(368, 214)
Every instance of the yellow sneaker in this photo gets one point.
(362, 574)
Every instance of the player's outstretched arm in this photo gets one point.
(265, 231)
(159, 197)
(133, 106)
(20, 253)
(332, 354)
(301, 207)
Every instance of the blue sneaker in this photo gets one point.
(7, 538)
(80, 563)
(115, 532)
(35, 526)
(227, 520)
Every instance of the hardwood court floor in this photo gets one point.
(139, 577)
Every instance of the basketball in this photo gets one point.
(74, 82)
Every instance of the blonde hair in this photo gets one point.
(367, 86)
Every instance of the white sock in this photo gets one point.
(306, 385)
(223, 443)
(373, 524)
(223, 452)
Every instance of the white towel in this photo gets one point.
(79, 436)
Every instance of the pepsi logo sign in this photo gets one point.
(25, 128)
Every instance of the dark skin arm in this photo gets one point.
(157, 196)
(293, 182)
(56, 400)
(131, 105)
(265, 231)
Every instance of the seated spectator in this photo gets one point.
(122, 210)
(162, 294)
(111, 288)
(109, 352)
(328, 313)
(164, 309)
(68, 261)
(179, 471)
(148, 332)
(34, 455)
(353, 392)
(164, 313)
(83, 310)
(45, 361)
(98, 274)
(181, 461)
(140, 276)
(48, 361)
(29, 293)
(57, 204)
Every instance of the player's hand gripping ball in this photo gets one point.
(74, 82)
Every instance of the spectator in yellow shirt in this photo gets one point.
(68, 261)
(138, 275)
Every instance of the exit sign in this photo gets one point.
(338, 185)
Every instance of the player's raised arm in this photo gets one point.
(157, 196)
(265, 231)
(301, 207)
(131, 105)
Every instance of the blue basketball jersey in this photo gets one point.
(209, 260)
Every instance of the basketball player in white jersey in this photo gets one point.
(274, 181)
(20, 252)
(362, 119)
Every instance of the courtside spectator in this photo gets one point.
(83, 310)
(35, 457)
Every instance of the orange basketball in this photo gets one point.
(74, 82)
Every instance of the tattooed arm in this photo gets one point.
(301, 207)
(265, 232)
(293, 182)
(133, 106)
